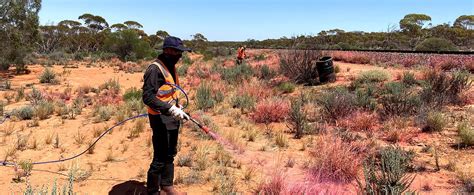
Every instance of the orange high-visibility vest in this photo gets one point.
(240, 52)
(166, 93)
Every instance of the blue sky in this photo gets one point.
(239, 20)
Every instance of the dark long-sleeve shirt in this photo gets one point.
(153, 79)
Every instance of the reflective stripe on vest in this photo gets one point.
(166, 93)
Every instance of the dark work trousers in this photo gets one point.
(239, 60)
(161, 172)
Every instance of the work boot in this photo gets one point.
(169, 190)
(154, 178)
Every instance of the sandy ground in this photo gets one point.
(131, 157)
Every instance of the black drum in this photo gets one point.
(325, 70)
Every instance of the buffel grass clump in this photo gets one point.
(433, 121)
(337, 103)
(48, 76)
(185, 160)
(466, 133)
(399, 100)
(270, 110)
(440, 88)
(205, 97)
(44, 109)
(244, 102)
(102, 113)
(334, 160)
(35, 96)
(20, 93)
(275, 184)
(266, 73)
(297, 120)
(387, 175)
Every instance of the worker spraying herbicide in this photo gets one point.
(161, 95)
(241, 54)
(164, 114)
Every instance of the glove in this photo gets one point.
(177, 113)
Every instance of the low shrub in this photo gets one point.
(387, 175)
(337, 69)
(225, 184)
(259, 57)
(186, 59)
(337, 103)
(237, 73)
(441, 88)
(35, 96)
(270, 110)
(185, 160)
(466, 132)
(287, 87)
(135, 105)
(281, 140)
(44, 109)
(111, 85)
(257, 89)
(102, 113)
(361, 121)
(60, 108)
(183, 69)
(466, 176)
(276, 184)
(266, 73)
(48, 76)
(297, 118)
(245, 102)
(206, 97)
(408, 78)
(398, 100)
(132, 94)
(24, 113)
(137, 128)
(79, 138)
(365, 98)
(333, 160)
(20, 93)
(433, 121)
(370, 77)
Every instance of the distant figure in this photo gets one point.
(241, 54)
(164, 115)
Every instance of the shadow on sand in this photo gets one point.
(129, 187)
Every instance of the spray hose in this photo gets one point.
(7, 163)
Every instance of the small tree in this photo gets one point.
(199, 42)
(465, 21)
(128, 45)
(414, 22)
(18, 31)
(300, 66)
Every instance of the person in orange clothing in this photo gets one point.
(241, 54)
(165, 115)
